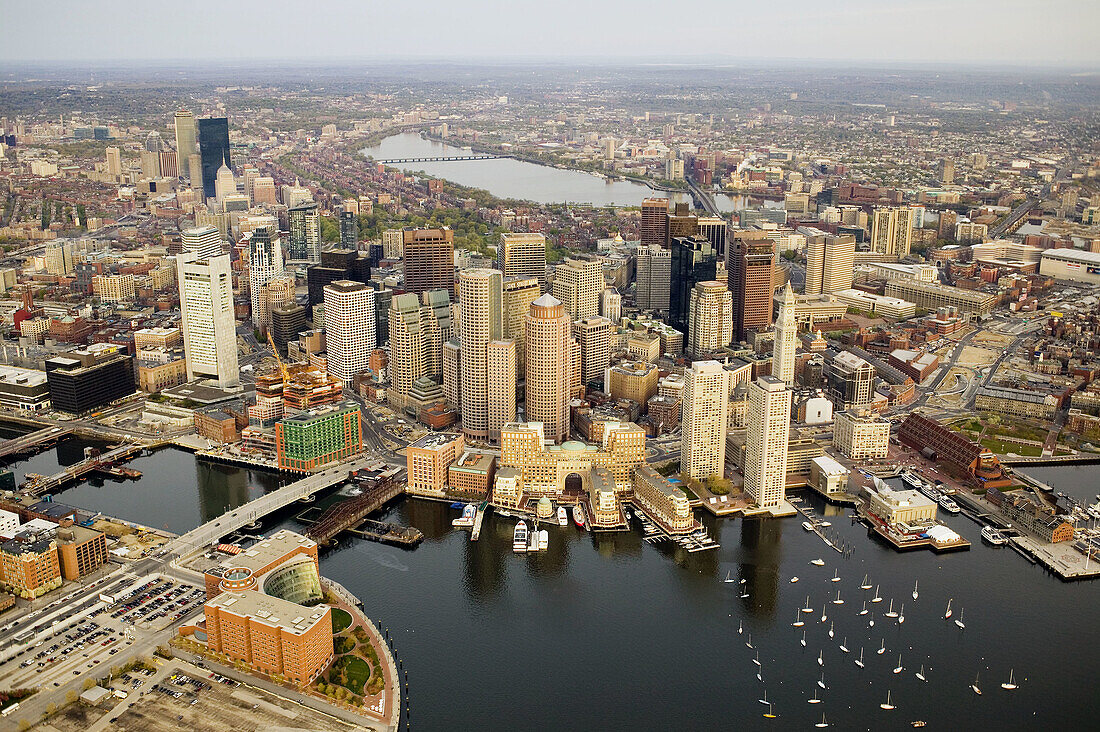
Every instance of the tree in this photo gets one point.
(51, 708)
(88, 683)
(70, 696)
(81, 215)
(24, 725)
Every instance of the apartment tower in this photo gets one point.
(549, 368)
(769, 425)
(703, 439)
(523, 256)
(350, 324)
(209, 329)
(480, 324)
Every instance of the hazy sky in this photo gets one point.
(982, 31)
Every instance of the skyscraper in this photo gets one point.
(945, 171)
(693, 261)
(703, 439)
(654, 225)
(830, 263)
(710, 319)
(204, 241)
(225, 184)
(304, 222)
(519, 293)
(114, 162)
(349, 230)
(206, 306)
(769, 425)
(715, 230)
(786, 328)
(481, 323)
(336, 264)
(523, 255)
(265, 263)
(594, 337)
(752, 260)
(681, 223)
(187, 141)
(416, 342)
(892, 231)
(578, 284)
(501, 358)
(653, 278)
(549, 371)
(611, 305)
(213, 150)
(429, 260)
(350, 323)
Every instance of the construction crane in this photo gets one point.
(282, 367)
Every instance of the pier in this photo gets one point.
(352, 513)
(475, 534)
(105, 463)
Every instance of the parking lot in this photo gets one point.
(88, 642)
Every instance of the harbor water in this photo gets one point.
(609, 632)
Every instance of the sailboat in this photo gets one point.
(844, 645)
(830, 630)
(770, 714)
(744, 595)
(899, 668)
(740, 627)
(822, 723)
(765, 699)
(797, 620)
(836, 576)
(748, 643)
(901, 614)
(758, 676)
(864, 585)
(864, 610)
(824, 617)
(806, 608)
(757, 659)
(1011, 683)
(882, 649)
(815, 700)
(876, 598)
(821, 681)
(959, 620)
(920, 674)
(838, 601)
(977, 689)
(890, 613)
(915, 589)
(803, 641)
(947, 613)
(887, 706)
(820, 660)
(729, 578)
(871, 622)
(859, 661)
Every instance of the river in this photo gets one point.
(608, 632)
(508, 178)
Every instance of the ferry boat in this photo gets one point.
(993, 536)
(948, 505)
(519, 537)
(563, 516)
(578, 515)
(912, 481)
(469, 511)
(544, 540)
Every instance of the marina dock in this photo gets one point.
(475, 533)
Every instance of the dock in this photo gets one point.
(352, 512)
(475, 534)
(106, 462)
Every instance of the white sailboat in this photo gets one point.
(836, 576)
(803, 641)
(859, 661)
(729, 578)
(890, 613)
(959, 620)
(901, 614)
(915, 594)
(899, 668)
(876, 598)
(798, 623)
(820, 660)
(806, 608)
(748, 643)
(838, 601)
(1011, 683)
(815, 700)
(882, 648)
(830, 630)
(947, 613)
(920, 674)
(977, 689)
(871, 622)
(740, 627)
(765, 699)
(864, 611)
(757, 659)
(821, 681)
(864, 585)
(824, 617)
(887, 705)
(822, 723)
(844, 645)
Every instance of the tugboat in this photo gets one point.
(519, 537)
(578, 515)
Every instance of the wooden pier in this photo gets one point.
(475, 534)
(104, 462)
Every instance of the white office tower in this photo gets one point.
(611, 305)
(481, 323)
(578, 284)
(703, 436)
(224, 184)
(769, 426)
(786, 330)
(187, 141)
(204, 241)
(523, 255)
(265, 263)
(710, 318)
(209, 329)
(654, 278)
(350, 323)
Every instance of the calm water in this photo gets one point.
(509, 178)
(608, 632)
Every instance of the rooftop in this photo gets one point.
(270, 610)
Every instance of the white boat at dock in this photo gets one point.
(807, 525)
(948, 505)
(519, 537)
(994, 537)
(469, 512)
(563, 516)
(544, 540)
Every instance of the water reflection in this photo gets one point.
(760, 540)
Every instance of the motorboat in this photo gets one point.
(469, 512)
(818, 562)
(563, 516)
(912, 481)
(578, 515)
(948, 505)
(519, 537)
(793, 580)
(807, 525)
(994, 537)
(544, 540)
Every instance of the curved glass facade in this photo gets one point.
(297, 581)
